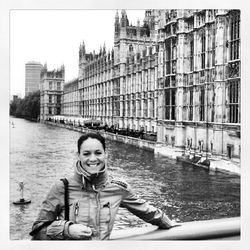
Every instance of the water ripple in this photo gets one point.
(41, 154)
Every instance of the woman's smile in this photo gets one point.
(92, 165)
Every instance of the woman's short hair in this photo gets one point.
(92, 135)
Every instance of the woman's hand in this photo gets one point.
(174, 224)
(79, 231)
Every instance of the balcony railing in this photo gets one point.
(218, 229)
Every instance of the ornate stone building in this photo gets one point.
(51, 90)
(118, 86)
(70, 99)
(200, 85)
(177, 74)
(96, 84)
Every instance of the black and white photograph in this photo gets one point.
(125, 125)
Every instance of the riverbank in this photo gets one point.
(217, 163)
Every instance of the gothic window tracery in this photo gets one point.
(202, 104)
(234, 34)
(234, 68)
(169, 113)
(203, 49)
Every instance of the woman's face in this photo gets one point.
(92, 155)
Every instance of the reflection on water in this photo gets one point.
(41, 154)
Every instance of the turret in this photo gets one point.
(82, 60)
(82, 50)
(108, 55)
(124, 19)
(62, 69)
(138, 28)
(148, 19)
(117, 25)
(43, 71)
(104, 49)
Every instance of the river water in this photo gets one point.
(41, 154)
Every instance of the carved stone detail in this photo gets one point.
(233, 69)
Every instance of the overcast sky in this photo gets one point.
(54, 37)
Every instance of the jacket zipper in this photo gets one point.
(98, 211)
(110, 214)
(76, 210)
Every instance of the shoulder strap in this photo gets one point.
(38, 228)
(66, 198)
(120, 183)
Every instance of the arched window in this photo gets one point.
(234, 34)
(191, 55)
(203, 49)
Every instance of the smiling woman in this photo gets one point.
(91, 153)
(93, 200)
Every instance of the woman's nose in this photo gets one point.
(92, 157)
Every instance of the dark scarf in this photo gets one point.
(96, 181)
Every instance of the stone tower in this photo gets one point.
(82, 60)
(51, 90)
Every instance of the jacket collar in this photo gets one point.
(96, 181)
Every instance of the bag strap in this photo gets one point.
(66, 198)
(37, 229)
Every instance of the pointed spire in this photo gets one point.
(124, 19)
(104, 48)
(83, 48)
(117, 24)
(138, 22)
(117, 16)
(124, 13)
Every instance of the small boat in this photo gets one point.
(196, 161)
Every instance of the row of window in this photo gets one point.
(58, 85)
(57, 99)
(233, 88)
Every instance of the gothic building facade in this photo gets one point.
(200, 85)
(118, 86)
(51, 90)
(70, 99)
(176, 75)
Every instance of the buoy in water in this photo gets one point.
(21, 202)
